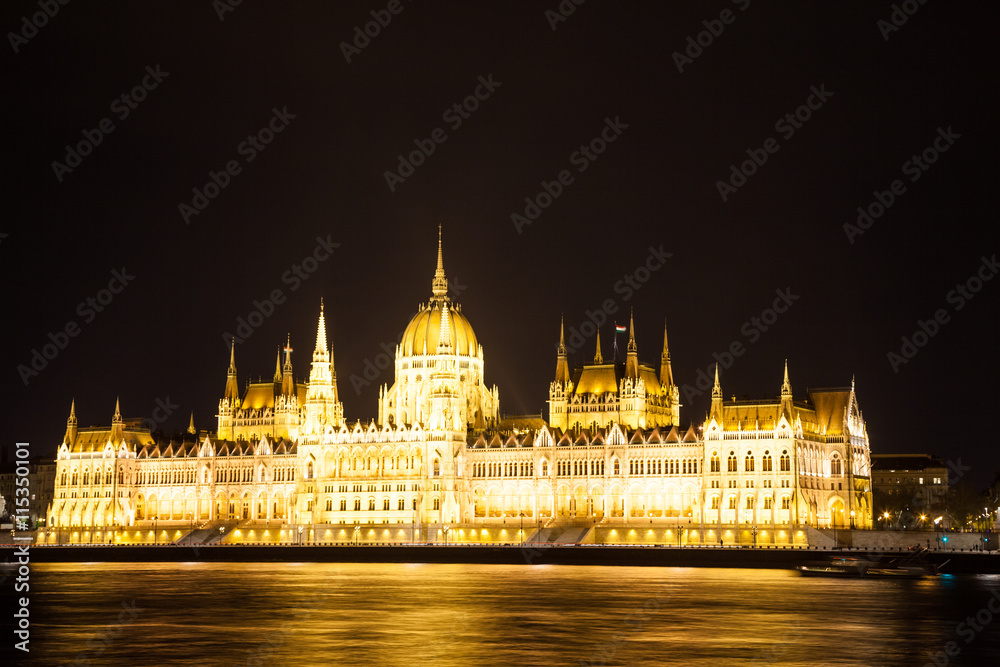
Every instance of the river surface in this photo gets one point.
(441, 615)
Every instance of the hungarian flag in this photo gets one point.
(619, 329)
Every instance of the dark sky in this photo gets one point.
(885, 96)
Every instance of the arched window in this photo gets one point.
(732, 502)
(748, 462)
(401, 505)
(343, 504)
(437, 468)
(385, 505)
(715, 502)
(545, 468)
(767, 502)
(371, 504)
(786, 502)
(617, 467)
(715, 466)
(414, 504)
(749, 502)
(767, 462)
(786, 464)
(309, 470)
(62, 479)
(76, 477)
(731, 467)
(437, 503)
(329, 504)
(835, 467)
(86, 476)
(357, 504)
(107, 475)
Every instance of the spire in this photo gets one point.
(287, 379)
(321, 329)
(439, 286)
(598, 359)
(117, 419)
(232, 388)
(191, 428)
(70, 436)
(277, 367)
(716, 412)
(786, 386)
(632, 355)
(562, 363)
(666, 371)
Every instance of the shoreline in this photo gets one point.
(641, 556)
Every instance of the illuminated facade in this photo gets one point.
(283, 458)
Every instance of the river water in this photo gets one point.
(431, 615)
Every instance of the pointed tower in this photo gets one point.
(598, 359)
(71, 431)
(632, 355)
(716, 412)
(444, 332)
(287, 379)
(786, 395)
(666, 371)
(439, 286)
(117, 426)
(277, 367)
(191, 429)
(232, 388)
(322, 407)
(562, 360)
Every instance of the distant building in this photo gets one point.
(41, 486)
(923, 471)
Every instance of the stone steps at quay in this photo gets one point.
(561, 534)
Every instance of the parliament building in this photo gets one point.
(612, 463)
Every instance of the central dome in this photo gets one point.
(425, 330)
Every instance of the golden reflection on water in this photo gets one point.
(411, 614)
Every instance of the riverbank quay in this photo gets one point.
(643, 556)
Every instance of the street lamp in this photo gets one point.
(357, 535)
(852, 519)
(155, 536)
(300, 535)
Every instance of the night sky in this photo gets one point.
(865, 98)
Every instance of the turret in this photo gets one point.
(562, 362)
(632, 355)
(71, 431)
(232, 388)
(598, 358)
(786, 395)
(287, 379)
(716, 412)
(666, 372)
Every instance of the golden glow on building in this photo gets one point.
(284, 466)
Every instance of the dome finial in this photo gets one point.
(439, 286)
